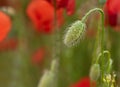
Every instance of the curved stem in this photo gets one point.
(102, 34)
(104, 52)
(91, 11)
(102, 17)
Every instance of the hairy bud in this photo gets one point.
(75, 33)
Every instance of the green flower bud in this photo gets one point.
(47, 79)
(95, 72)
(75, 33)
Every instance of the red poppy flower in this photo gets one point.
(112, 11)
(41, 14)
(84, 82)
(38, 56)
(69, 5)
(5, 25)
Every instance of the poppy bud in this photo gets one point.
(47, 79)
(95, 72)
(75, 33)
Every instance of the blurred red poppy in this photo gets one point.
(69, 5)
(84, 82)
(5, 25)
(112, 12)
(41, 14)
(38, 56)
(9, 44)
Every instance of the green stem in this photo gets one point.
(97, 44)
(56, 44)
(102, 34)
(102, 15)
(56, 34)
(105, 52)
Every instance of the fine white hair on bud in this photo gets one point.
(95, 72)
(75, 33)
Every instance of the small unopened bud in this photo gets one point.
(75, 33)
(47, 79)
(95, 72)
